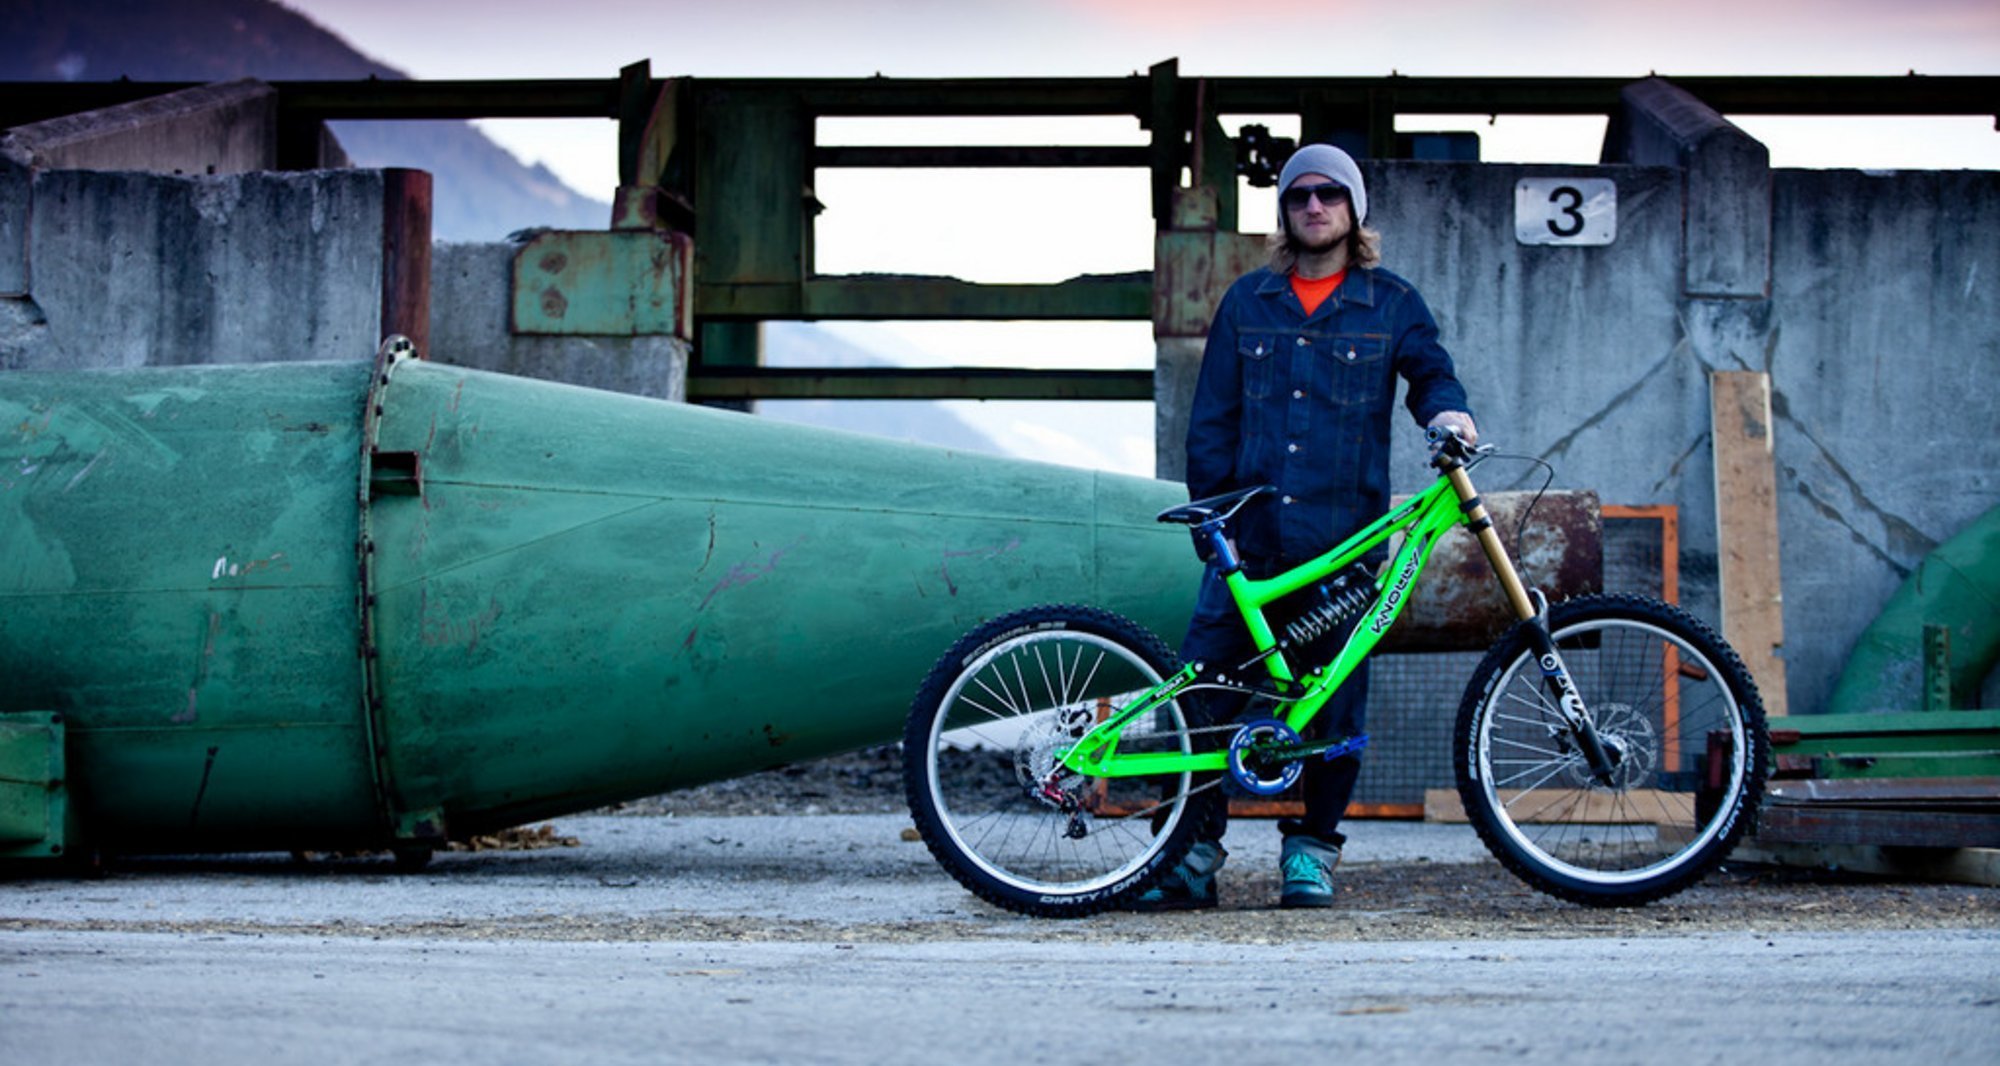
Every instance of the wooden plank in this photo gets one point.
(1582, 806)
(1828, 824)
(1746, 510)
(1935, 792)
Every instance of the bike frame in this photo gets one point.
(1422, 519)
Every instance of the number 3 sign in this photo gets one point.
(1565, 210)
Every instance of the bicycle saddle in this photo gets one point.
(1195, 512)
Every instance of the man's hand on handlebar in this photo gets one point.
(1458, 422)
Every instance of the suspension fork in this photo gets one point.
(1533, 609)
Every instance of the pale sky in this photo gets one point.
(1045, 226)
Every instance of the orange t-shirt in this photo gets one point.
(1313, 291)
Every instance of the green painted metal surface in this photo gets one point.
(599, 596)
(620, 283)
(1956, 586)
(1913, 744)
(570, 597)
(34, 800)
(177, 579)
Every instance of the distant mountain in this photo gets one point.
(480, 192)
(803, 344)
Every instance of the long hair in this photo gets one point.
(1364, 248)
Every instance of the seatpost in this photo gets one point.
(1223, 552)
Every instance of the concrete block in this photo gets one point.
(16, 186)
(145, 269)
(229, 128)
(1727, 184)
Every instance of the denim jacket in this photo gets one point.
(1303, 403)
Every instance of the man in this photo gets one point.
(1296, 389)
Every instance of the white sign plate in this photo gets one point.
(1565, 210)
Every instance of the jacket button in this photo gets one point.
(1303, 342)
(1288, 499)
(1350, 355)
(1291, 448)
(1298, 394)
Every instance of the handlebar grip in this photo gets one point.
(1444, 441)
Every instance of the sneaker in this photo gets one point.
(1190, 885)
(1307, 865)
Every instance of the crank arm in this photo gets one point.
(1325, 749)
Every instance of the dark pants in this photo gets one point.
(1216, 636)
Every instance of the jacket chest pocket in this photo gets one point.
(1259, 367)
(1357, 368)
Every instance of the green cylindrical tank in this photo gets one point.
(1958, 586)
(330, 605)
(177, 580)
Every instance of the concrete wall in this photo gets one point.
(1883, 345)
(157, 233)
(122, 268)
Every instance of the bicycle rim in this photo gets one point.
(992, 772)
(1684, 748)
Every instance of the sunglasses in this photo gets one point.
(1330, 194)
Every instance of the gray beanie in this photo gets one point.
(1332, 162)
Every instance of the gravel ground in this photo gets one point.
(1400, 899)
(824, 852)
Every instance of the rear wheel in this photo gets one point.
(1681, 725)
(984, 783)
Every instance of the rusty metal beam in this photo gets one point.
(1915, 94)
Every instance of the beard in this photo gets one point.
(1300, 246)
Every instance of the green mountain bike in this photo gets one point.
(1610, 750)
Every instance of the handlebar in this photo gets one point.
(1448, 449)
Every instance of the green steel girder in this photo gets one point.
(955, 383)
(1122, 296)
(1923, 744)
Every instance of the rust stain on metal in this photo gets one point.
(745, 573)
(1459, 606)
(439, 629)
(554, 303)
(991, 552)
(553, 263)
(190, 714)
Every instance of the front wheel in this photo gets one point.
(1682, 728)
(983, 777)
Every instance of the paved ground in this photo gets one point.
(832, 938)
